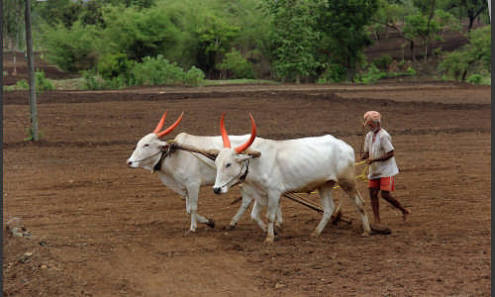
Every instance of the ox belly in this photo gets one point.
(310, 187)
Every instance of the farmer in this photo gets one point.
(379, 153)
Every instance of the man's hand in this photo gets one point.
(365, 156)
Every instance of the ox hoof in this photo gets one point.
(188, 232)
(269, 240)
(230, 227)
(365, 234)
(315, 234)
(211, 223)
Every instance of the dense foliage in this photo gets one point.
(118, 43)
(474, 59)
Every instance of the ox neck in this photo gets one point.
(165, 153)
(243, 176)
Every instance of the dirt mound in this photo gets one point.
(19, 70)
(31, 269)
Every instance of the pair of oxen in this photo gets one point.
(266, 168)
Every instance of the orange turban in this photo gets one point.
(372, 115)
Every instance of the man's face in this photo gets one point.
(372, 126)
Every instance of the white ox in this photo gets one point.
(272, 168)
(185, 172)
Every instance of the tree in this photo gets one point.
(474, 57)
(428, 27)
(392, 15)
(12, 27)
(343, 28)
(1, 64)
(294, 38)
(469, 8)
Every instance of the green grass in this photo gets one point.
(68, 84)
(62, 84)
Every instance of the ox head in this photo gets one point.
(231, 163)
(149, 149)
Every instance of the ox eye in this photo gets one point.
(146, 145)
(228, 165)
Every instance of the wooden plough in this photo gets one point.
(334, 219)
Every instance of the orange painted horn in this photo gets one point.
(160, 123)
(225, 136)
(172, 127)
(244, 146)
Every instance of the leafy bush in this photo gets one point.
(72, 49)
(42, 84)
(333, 74)
(383, 62)
(475, 79)
(22, 85)
(156, 71)
(411, 71)
(114, 65)
(139, 32)
(372, 75)
(474, 57)
(93, 81)
(194, 77)
(237, 65)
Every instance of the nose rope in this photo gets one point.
(241, 176)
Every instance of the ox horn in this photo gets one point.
(244, 146)
(225, 136)
(160, 123)
(169, 129)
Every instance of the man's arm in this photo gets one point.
(384, 158)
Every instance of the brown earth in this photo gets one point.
(16, 69)
(99, 228)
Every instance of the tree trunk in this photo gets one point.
(1, 77)
(32, 82)
(471, 21)
(426, 51)
(1, 107)
(411, 48)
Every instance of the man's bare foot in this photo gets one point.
(405, 214)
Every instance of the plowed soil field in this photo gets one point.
(99, 228)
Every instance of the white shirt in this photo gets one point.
(377, 148)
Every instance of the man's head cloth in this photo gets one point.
(372, 116)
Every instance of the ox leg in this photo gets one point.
(279, 219)
(255, 215)
(192, 208)
(273, 206)
(350, 189)
(246, 200)
(328, 207)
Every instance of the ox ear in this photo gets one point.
(247, 155)
(212, 154)
(253, 154)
